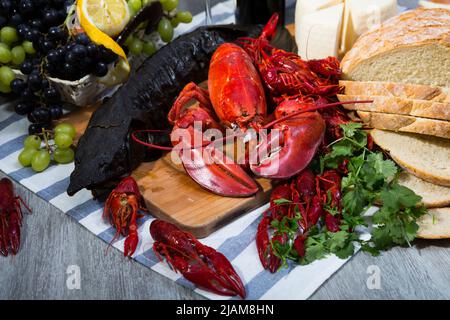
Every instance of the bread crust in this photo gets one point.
(413, 28)
(394, 105)
(399, 90)
(402, 123)
(429, 176)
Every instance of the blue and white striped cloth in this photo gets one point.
(235, 240)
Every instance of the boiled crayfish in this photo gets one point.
(200, 264)
(314, 198)
(10, 218)
(236, 100)
(121, 209)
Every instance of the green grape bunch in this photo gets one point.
(39, 150)
(13, 52)
(137, 43)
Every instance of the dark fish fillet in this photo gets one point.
(105, 151)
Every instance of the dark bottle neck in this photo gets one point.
(259, 11)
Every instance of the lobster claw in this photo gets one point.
(214, 171)
(290, 147)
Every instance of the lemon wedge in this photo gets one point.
(87, 22)
(109, 16)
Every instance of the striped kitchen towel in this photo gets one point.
(235, 240)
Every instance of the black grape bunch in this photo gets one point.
(35, 40)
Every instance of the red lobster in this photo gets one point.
(10, 218)
(309, 195)
(121, 209)
(200, 264)
(236, 99)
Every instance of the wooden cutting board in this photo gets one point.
(170, 194)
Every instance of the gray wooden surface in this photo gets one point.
(53, 241)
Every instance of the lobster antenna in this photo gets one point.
(267, 126)
(271, 124)
(150, 145)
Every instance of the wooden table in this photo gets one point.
(53, 241)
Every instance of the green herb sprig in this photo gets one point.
(371, 180)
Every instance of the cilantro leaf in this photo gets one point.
(351, 128)
(355, 201)
(386, 168)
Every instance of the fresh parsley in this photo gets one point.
(371, 180)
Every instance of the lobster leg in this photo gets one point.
(190, 91)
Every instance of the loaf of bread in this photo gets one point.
(417, 108)
(399, 90)
(402, 123)
(425, 157)
(435, 224)
(433, 196)
(413, 47)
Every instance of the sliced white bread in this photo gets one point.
(413, 47)
(426, 157)
(402, 123)
(435, 224)
(399, 90)
(433, 196)
(417, 108)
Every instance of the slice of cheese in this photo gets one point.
(361, 16)
(320, 33)
(320, 25)
(305, 7)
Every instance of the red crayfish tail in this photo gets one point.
(131, 242)
(270, 28)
